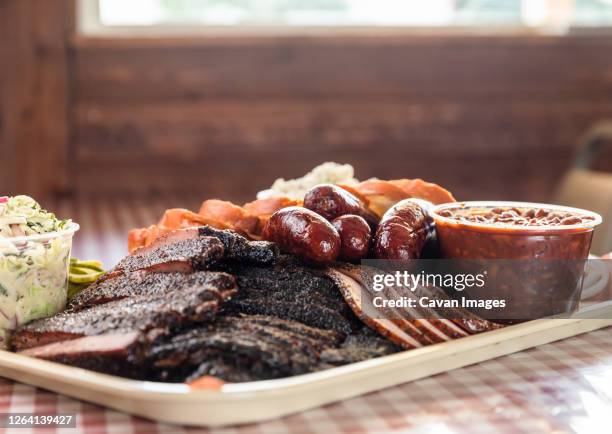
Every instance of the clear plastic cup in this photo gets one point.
(538, 266)
(33, 277)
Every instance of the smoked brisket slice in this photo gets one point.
(116, 353)
(151, 284)
(257, 347)
(292, 291)
(186, 255)
(150, 315)
(239, 249)
(234, 348)
(363, 344)
(243, 348)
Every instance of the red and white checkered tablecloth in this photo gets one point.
(563, 387)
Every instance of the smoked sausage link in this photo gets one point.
(331, 201)
(303, 233)
(355, 235)
(403, 231)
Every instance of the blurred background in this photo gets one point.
(217, 98)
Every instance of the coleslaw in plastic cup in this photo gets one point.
(33, 265)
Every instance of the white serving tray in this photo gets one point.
(257, 401)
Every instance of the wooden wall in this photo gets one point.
(489, 117)
(34, 96)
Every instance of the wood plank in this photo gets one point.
(183, 132)
(490, 117)
(442, 67)
(7, 145)
(508, 150)
(34, 116)
(510, 177)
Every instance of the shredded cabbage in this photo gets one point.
(34, 273)
(22, 215)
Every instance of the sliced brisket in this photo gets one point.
(293, 291)
(234, 348)
(117, 353)
(142, 283)
(169, 238)
(363, 344)
(239, 249)
(149, 314)
(184, 256)
(243, 348)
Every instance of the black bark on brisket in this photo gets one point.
(233, 348)
(293, 291)
(243, 348)
(180, 249)
(150, 314)
(363, 344)
(239, 249)
(191, 254)
(118, 354)
(142, 283)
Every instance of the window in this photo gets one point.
(203, 15)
